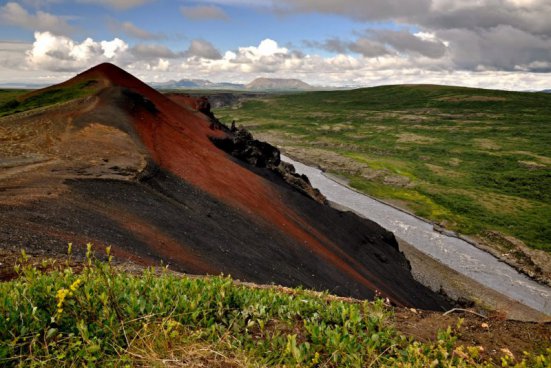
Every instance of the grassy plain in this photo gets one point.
(476, 161)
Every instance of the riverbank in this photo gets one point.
(451, 252)
(534, 263)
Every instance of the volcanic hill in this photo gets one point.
(159, 178)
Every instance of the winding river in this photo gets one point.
(453, 252)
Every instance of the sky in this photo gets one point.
(501, 44)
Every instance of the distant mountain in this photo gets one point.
(546, 91)
(259, 84)
(196, 84)
(278, 84)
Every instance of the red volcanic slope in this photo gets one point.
(178, 141)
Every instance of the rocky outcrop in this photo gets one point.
(242, 145)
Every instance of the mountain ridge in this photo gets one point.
(277, 84)
(258, 84)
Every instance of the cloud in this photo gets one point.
(500, 48)
(377, 43)
(162, 65)
(117, 4)
(14, 14)
(268, 57)
(529, 16)
(40, 3)
(58, 53)
(426, 37)
(134, 31)
(357, 9)
(368, 48)
(255, 3)
(469, 34)
(58, 57)
(12, 54)
(202, 49)
(404, 41)
(203, 12)
(148, 52)
(144, 69)
(266, 48)
(332, 45)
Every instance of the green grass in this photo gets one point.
(14, 101)
(7, 95)
(475, 160)
(100, 318)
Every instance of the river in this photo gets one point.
(453, 252)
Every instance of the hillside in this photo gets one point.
(472, 160)
(149, 175)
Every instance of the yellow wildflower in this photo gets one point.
(316, 358)
(74, 286)
(61, 295)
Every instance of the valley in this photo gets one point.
(472, 161)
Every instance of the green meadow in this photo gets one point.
(475, 161)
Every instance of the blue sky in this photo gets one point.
(488, 43)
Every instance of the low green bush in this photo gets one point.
(98, 317)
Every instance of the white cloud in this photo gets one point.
(266, 48)
(14, 14)
(162, 66)
(59, 53)
(114, 47)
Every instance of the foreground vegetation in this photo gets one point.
(100, 317)
(475, 161)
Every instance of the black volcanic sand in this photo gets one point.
(194, 233)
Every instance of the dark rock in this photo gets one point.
(242, 145)
(140, 100)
